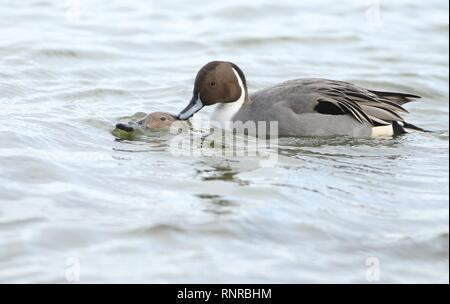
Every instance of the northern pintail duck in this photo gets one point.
(302, 107)
(156, 121)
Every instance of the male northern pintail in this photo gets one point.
(303, 107)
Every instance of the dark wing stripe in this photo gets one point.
(380, 121)
(332, 101)
(362, 96)
(398, 98)
(374, 107)
(383, 106)
(357, 108)
(395, 114)
(349, 110)
(393, 104)
(384, 114)
(397, 95)
(345, 109)
(353, 109)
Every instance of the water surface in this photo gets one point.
(130, 211)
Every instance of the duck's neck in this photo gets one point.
(224, 112)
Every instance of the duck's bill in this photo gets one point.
(193, 107)
(130, 126)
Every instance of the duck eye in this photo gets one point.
(212, 84)
(163, 119)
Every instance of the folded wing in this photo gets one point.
(374, 107)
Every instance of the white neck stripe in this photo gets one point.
(224, 112)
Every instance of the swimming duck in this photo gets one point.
(302, 107)
(156, 121)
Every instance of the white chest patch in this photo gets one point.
(224, 112)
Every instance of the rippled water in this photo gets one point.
(74, 200)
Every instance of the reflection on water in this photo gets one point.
(217, 204)
(130, 210)
(223, 173)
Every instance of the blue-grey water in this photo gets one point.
(78, 205)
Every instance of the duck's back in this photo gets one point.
(324, 107)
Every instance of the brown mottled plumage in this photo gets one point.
(156, 121)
